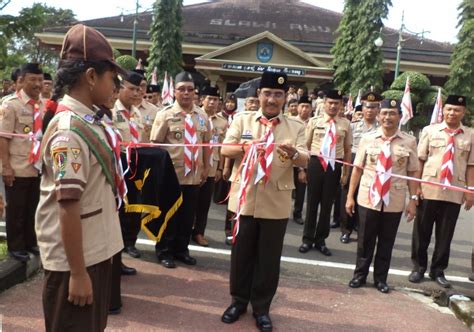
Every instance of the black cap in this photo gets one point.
(372, 96)
(31, 68)
(210, 91)
(141, 72)
(47, 77)
(230, 96)
(358, 108)
(184, 76)
(133, 78)
(456, 100)
(390, 103)
(334, 94)
(304, 100)
(151, 88)
(273, 80)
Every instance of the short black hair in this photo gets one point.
(15, 74)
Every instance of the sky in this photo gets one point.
(439, 17)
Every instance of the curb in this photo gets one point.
(464, 310)
(13, 272)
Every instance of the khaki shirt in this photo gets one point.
(431, 150)
(359, 128)
(169, 128)
(271, 200)
(316, 130)
(218, 129)
(148, 112)
(71, 172)
(121, 122)
(404, 159)
(16, 116)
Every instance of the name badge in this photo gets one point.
(247, 135)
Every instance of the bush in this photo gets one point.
(127, 62)
(116, 53)
(429, 98)
(418, 82)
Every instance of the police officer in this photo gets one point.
(370, 109)
(255, 258)
(179, 123)
(327, 135)
(147, 109)
(46, 92)
(438, 206)
(218, 126)
(381, 197)
(21, 113)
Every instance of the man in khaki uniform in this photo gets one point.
(255, 259)
(153, 95)
(379, 216)
(322, 184)
(439, 206)
(170, 127)
(20, 166)
(147, 109)
(218, 126)
(46, 92)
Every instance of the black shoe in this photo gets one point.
(186, 259)
(357, 282)
(115, 311)
(232, 313)
(132, 251)
(324, 250)
(298, 220)
(305, 247)
(471, 277)
(415, 277)
(166, 261)
(264, 323)
(21, 256)
(382, 287)
(34, 250)
(345, 238)
(335, 224)
(440, 280)
(128, 271)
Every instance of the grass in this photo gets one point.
(3, 250)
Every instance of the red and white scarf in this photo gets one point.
(37, 133)
(328, 147)
(265, 160)
(447, 166)
(191, 153)
(132, 124)
(380, 188)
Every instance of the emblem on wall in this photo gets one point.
(264, 52)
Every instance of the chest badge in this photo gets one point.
(27, 130)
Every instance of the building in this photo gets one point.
(232, 41)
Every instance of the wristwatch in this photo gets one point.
(414, 197)
(295, 156)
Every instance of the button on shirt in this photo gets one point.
(316, 130)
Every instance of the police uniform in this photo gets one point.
(16, 116)
(440, 206)
(169, 127)
(255, 258)
(378, 224)
(322, 185)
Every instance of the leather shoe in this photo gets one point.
(471, 277)
(21, 256)
(304, 248)
(298, 220)
(132, 251)
(264, 323)
(167, 262)
(128, 271)
(335, 224)
(232, 313)
(440, 280)
(345, 238)
(415, 277)
(199, 239)
(356, 282)
(324, 250)
(115, 311)
(186, 259)
(382, 287)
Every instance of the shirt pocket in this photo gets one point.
(93, 229)
(372, 156)
(25, 124)
(400, 158)
(177, 133)
(437, 146)
(286, 184)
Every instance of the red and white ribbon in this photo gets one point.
(328, 147)
(447, 166)
(380, 188)
(191, 151)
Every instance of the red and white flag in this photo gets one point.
(171, 89)
(165, 92)
(358, 99)
(349, 107)
(139, 65)
(154, 77)
(437, 115)
(407, 109)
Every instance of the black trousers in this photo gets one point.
(336, 217)
(348, 223)
(116, 279)
(430, 213)
(300, 190)
(176, 238)
(229, 215)
(22, 199)
(376, 227)
(322, 187)
(130, 223)
(255, 262)
(203, 205)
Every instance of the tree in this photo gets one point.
(166, 37)
(357, 61)
(461, 70)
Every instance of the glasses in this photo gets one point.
(148, 97)
(184, 90)
(275, 94)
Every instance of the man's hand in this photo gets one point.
(350, 206)
(8, 175)
(302, 176)
(345, 179)
(419, 193)
(218, 175)
(226, 172)
(204, 174)
(410, 211)
(287, 150)
(468, 201)
(80, 289)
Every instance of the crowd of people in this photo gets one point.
(60, 146)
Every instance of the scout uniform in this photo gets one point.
(440, 206)
(255, 258)
(379, 223)
(169, 127)
(359, 128)
(218, 127)
(17, 116)
(148, 112)
(322, 185)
